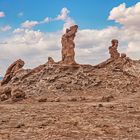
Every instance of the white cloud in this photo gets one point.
(32, 46)
(46, 20)
(130, 17)
(68, 21)
(18, 30)
(2, 14)
(5, 28)
(91, 45)
(29, 24)
(133, 49)
(63, 15)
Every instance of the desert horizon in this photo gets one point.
(69, 70)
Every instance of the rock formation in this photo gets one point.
(123, 55)
(18, 95)
(114, 54)
(68, 45)
(12, 70)
(50, 60)
(5, 93)
(52, 101)
(13, 93)
(52, 77)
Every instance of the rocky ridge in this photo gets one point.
(118, 77)
(68, 101)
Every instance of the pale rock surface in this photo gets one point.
(50, 60)
(73, 102)
(114, 54)
(12, 70)
(68, 45)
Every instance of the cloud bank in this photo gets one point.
(5, 28)
(63, 16)
(91, 45)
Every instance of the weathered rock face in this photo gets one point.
(12, 70)
(118, 71)
(13, 93)
(103, 100)
(50, 60)
(5, 93)
(50, 82)
(18, 95)
(114, 54)
(123, 55)
(68, 45)
(115, 57)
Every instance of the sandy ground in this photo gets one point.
(71, 120)
(74, 103)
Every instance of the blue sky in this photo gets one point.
(86, 13)
(32, 29)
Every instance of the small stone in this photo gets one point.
(20, 125)
(57, 100)
(123, 55)
(100, 105)
(12, 70)
(3, 97)
(107, 98)
(50, 61)
(42, 100)
(73, 99)
(18, 94)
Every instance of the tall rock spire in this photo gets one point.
(68, 45)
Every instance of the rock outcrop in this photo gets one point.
(68, 45)
(5, 93)
(12, 70)
(53, 81)
(67, 77)
(69, 101)
(13, 93)
(17, 94)
(50, 60)
(114, 54)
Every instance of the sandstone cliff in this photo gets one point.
(68, 101)
(117, 77)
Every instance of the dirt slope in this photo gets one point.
(73, 102)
